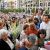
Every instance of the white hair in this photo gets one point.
(2, 31)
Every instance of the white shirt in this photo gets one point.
(10, 44)
(43, 25)
(17, 42)
(23, 37)
(46, 26)
(43, 49)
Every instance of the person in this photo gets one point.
(41, 37)
(26, 38)
(2, 24)
(5, 42)
(46, 25)
(14, 28)
(24, 33)
(17, 45)
(30, 20)
(31, 44)
(33, 29)
(23, 36)
(37, 23)
(39, 13)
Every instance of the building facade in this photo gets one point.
(9, 4)
(27, 5)
(30, 4)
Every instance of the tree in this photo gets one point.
(12, 10)
(47, 11)
(33, 10)
(0, 0)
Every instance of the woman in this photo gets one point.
(32, 29)
(5, 42)
(41, 37)
(23, 37)
(28, 38)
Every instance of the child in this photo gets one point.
(41, 37)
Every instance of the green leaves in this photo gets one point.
(33, 10)
(12, 10)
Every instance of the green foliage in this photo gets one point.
(47, 12)
(12, 10)
(0, 0)
(23, 10)
(33, 10)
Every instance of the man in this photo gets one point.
(46, 25)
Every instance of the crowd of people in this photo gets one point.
(26, 33)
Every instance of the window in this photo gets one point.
(31, 5)
(28, 1)
(31, 1)
(49, 4)
(26, 5)
(41, 4)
